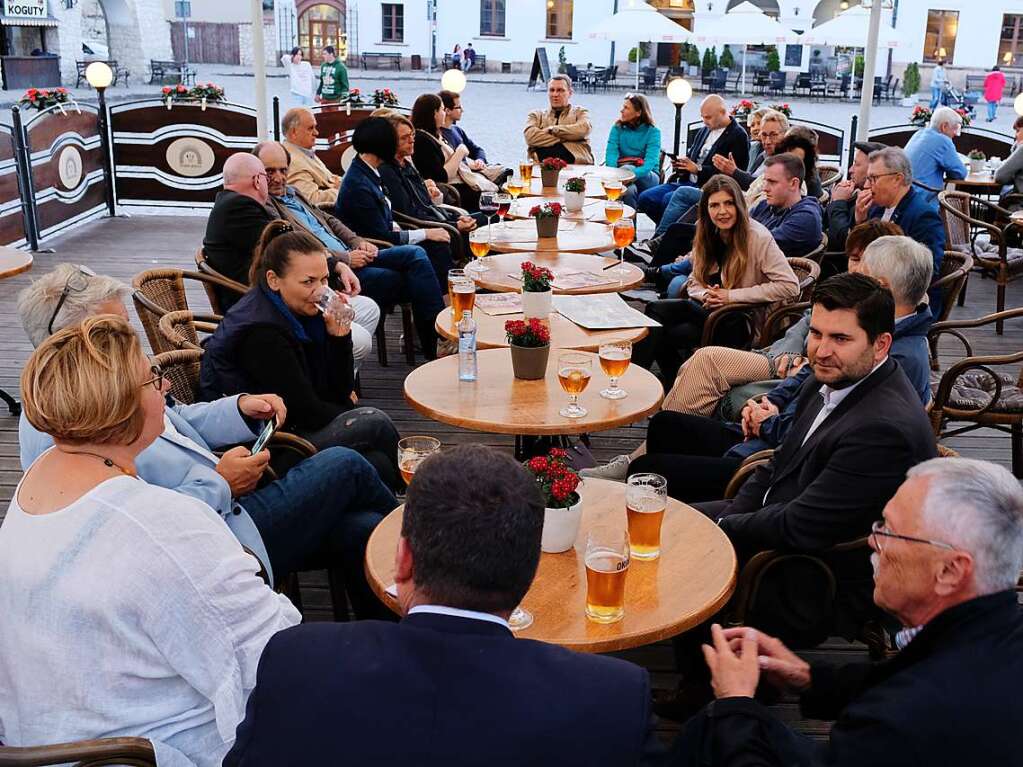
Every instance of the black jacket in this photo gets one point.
(362, 206)
(950, 697)
(440, 690)
(840, 216)
(429, 157)
(733, 140)
(232, 232)
(408, 194)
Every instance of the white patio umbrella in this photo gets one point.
(744, 25)
(639, 23)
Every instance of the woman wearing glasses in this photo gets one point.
(129, 609)
(635, 144)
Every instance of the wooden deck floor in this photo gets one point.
(122, 247)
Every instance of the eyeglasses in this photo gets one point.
(76, 282)
(878, 530)
(769, 134)
(872, 178)
(157, 380)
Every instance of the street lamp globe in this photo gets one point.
(679, 91)
(453, 80)
(99, 74)
(1018, 104)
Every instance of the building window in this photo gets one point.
(1010, 47)
(940, 40)
(394, 22)
(559, 19)
(492, 18)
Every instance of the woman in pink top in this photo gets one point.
(994, 85)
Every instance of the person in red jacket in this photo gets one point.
(994, 85)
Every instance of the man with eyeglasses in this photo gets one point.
(322, 510)
(889, 194)
(946, 557)
(455, 135)
(844, 194)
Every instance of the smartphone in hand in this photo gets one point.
(264, 436)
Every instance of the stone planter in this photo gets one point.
(574, 201)
(549, 178)
(547, 226)
(536, 304)
(560, 528)
(529, 362)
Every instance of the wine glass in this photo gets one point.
(504, 202)
(479, 244)
(612, 189)
(574, 369)
(613, 211)
(488, 205)
(614, 361)
(624, 232)
(412, 451)
(519, 619)
(514, 187)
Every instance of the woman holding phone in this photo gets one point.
(284, 336)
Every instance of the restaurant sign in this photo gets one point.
(25, 9)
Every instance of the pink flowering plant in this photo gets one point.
(744, 108)
(556, 479)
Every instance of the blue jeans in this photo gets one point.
(992, 110)
(637, 187)
(681, 200)
(655, 199)
(367, 431)
(936, 96)
(677, 275)
(404, 274)
(321, 514)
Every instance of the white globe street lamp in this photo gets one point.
(453, 80)
(679, 92)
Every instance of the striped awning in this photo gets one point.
(18, 21)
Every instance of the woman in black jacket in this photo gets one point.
(433, 157)
(276, 340)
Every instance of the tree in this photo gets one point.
(693, 57)
(727, 59)
(858, 65)
(773, 60)
(911, 81)
(710, 60)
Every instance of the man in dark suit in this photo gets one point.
(842, 207)
(450, 684)
(947, 553)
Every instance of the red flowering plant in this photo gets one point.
(744, 108)
(531, 334)
(575, 184)
(208, 91)
(556, 479)
(535, 279)
(354, 97)
(385, 97)
(545, 210)
(553, 163)
(785, 109)
(43, 98)
(920, 115)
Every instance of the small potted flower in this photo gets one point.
(206, 92)
(785, 109)
(743, 109)
(575, 194)
(354, 97)
(547, 216)
(172, 93)
(977, 160)
(536, 291)
(42, 98)
(549, 170)
(530, 344)
(920, 116)
(558, 483)
(385, 97)
(966, 116)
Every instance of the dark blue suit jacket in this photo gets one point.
(440, 690)
(362, 206)
(733, 140)
(921, 221)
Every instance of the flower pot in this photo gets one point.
(536, 304)
(574, 201)
(976, 166)
(547, 226)
(560, 528)
(549, 178)
(530, 362)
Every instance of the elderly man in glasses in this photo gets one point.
(947, 554)
(321, 512)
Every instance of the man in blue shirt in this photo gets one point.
(793, 220)
(932, 153)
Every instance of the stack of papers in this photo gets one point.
(601, 312)
(496, 304)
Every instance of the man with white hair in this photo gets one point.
(307, 172)
(932, 151)
(947, 554)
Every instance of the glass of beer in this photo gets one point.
(624, 232)
(612, 189)
(463, 298)
(646, 497)
(613, 211)
(614, 361)
(607, 564)
(412, 451)
(574, 370)
(479, 244)
(455, 275)
(514, 187)
(526, 171)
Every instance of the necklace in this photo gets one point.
(106, 461)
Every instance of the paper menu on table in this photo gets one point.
(573, 279)
(601, 312)
(496, 304)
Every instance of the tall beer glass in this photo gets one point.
(607, 564)
(646, 497)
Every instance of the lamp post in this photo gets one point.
(100, 76)
(679, 92)
(453, 80)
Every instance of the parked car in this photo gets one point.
(95, 49)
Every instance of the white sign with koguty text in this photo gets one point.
(25, 9)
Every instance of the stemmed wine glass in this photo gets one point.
(614, 361)
(574, 370)
(488, 205)
(624, 232)
(504, 202)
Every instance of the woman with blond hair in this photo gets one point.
(735, 261)
(128, 609)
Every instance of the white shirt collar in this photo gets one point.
(459, 613)
(833, 397)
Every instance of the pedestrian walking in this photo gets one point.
(300, 75)
(333, 78)
(939, 81)
(994, 87)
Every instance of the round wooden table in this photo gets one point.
(13, 261)
(594, 175)
(500, 268)
(519, 236)
(691, 581)
(977, 183)
(499, 403)
(593, 210)
(565, 334)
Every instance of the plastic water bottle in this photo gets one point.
(467, 366)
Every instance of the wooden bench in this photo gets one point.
(393, 58)
(479, 66)
(120, 73)
(178, 70)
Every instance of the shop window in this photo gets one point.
(559, 19)
(492, 18)
(394, 23)
(1010, 46)
(940, 38)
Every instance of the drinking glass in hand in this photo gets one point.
(646, 497)
(412, 451)
(607, 564)
(623, 232)
(479, 244)
(614, 361)
(332, 305)
(574, 370)
(504, 202)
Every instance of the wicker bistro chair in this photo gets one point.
(955, 269)
(129, 752)
(817, 254)
(158, 291)
(829, 175)
(972, 391)
(225, 283)
(180, 330)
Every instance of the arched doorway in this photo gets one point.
(770, 7)
(826, 10)
(95, 35)
(321, 24)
